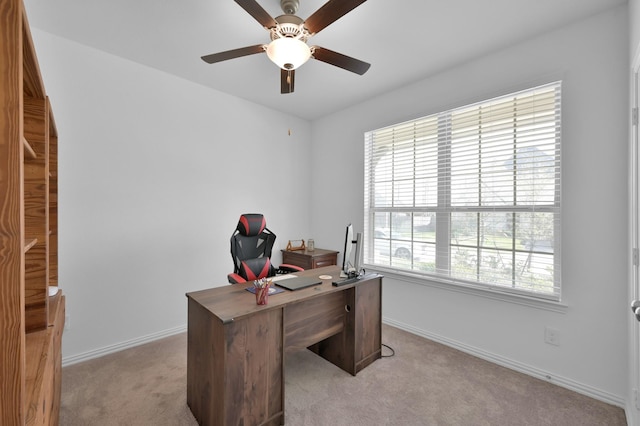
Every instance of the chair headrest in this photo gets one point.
(251, 224)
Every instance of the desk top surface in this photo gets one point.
(233, 301)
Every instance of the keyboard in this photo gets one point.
(345, 281)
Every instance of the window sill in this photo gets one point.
(489, 293)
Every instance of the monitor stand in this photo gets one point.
(352, 273)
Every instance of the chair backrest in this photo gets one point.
(251, 246)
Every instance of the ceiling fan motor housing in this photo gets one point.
(289, 26)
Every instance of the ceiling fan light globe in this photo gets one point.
(288, 53)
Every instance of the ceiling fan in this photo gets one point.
(289, 34)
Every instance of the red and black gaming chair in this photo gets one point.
(251, 245)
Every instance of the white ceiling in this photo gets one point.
(404, 40)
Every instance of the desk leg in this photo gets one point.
(235, 370)
(368, 323)
(203, 364)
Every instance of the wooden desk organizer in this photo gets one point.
(291, 247)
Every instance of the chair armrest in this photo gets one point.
(235, 279)
(285, 267)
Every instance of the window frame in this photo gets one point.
(443, 210)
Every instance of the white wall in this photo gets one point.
(591, 58)
(154, 173)
(634, 30)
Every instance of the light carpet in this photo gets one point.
(425, 383)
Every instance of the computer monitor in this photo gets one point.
(357, 258)
(348, 242)
(352, 259)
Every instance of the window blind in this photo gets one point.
(470, 194)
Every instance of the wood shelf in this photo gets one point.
(31, 323)
(30, 243)
(28, 151)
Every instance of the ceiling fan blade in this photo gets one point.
(259, 14)
(330, 12)
(287, 80)
(231, 54)
(339, 60)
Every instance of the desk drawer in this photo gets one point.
(324, 261)
(298, 259)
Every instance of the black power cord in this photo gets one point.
(393, 352)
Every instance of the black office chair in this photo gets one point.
(251, 245)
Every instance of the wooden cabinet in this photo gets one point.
(31, 321)
(44, 368)
(310, 259)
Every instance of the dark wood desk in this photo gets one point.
(235, 348)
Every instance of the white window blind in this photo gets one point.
(470, 195)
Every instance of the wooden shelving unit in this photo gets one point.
(31, 321)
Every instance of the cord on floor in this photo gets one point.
(391, 349)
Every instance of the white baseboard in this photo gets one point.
(515, 365)
(631, 414)
(496, 359)
(121, 346)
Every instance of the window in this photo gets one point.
(470, 195)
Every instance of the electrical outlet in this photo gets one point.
(552, 336)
